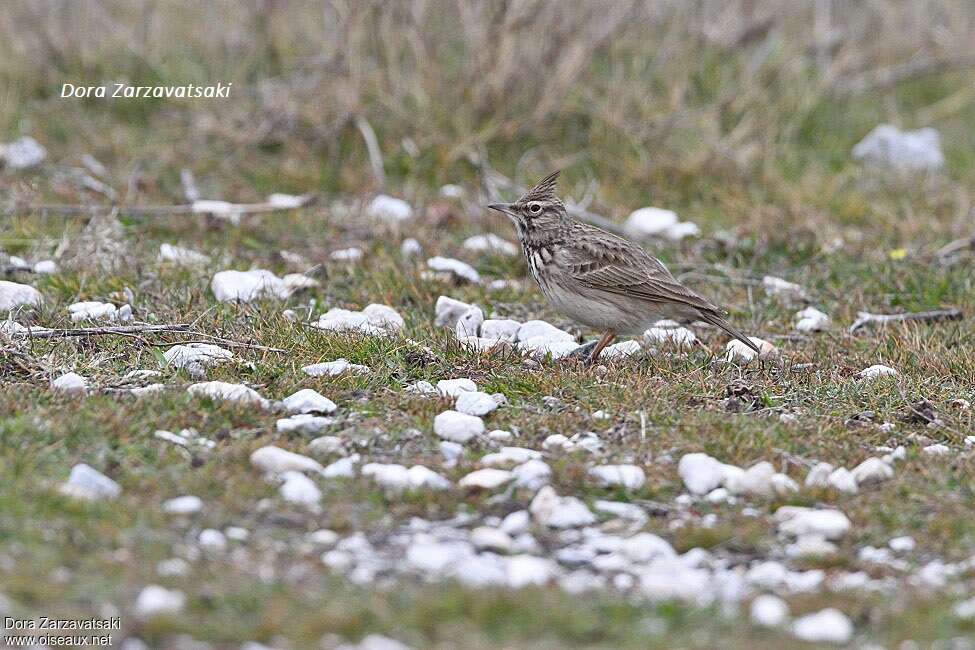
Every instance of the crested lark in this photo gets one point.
(598, 279)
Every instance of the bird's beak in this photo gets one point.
(505, 208)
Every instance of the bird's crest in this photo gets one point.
(544, 191)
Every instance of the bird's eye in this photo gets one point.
(534, 208)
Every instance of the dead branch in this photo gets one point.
(121, 330)
(866, 318)
(372, 147)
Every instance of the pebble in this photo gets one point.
(798, 521)
(458, 269)
(532, 474)
(455, 387)
(221, 390)
(351, 254)
(185, 505)
(154, 601)
(630, 477)
(304, 423)
(375, 319)
(902, 544)
(327, 446)
(490, 243)
(486, 479)
(45, 267)
(70, 384)
(469, 323)
(195, 357)
(447, 310)
(14, 295)
(738, 351)
(89, 484)
(509, 456)
(876, 371)
(486, 538)
(299, 489)
(645, 547)
(342, 468)
(475, 403)
(334, 368)
(457, 427)
(22, 153)
(662, 332)
(628, 511)
(888, 147)
(389, 209)
(516, 523)
(539, 329)
(621, 350)
(658, 222)
(936, 450)
(500, 435)
(182, 256)
(274, 460)
(308, 401)
(779, 287)
(99, 311)
(528, 570)
(212, 540)
(871, 471)
(701, 473)
(843, 480)
(769, 611)
(811, 319)
(410, 247)
(549, 509)
(504, 329)
(398, 478)
(247, 286)
(825, 626)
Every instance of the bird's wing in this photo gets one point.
(614, 265)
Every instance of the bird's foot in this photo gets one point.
(583, 352)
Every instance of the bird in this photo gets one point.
(597, 278)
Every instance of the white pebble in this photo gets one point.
(14, 295)
(826, 626)
(155, 601)
(458, 269)
(223, 391)
(469, 323)
(448, 310)
(475, 403)
(872, 470)
(876, 371)
(194, 357)
(798, 521)
(738, 351)
(304, 423)
(490, 243)
(299, 489)
(486, 479)
(457, 427)
(334, 368)
(769, 611)
(504, 329)
(89, 484)
(454, 387)
(182, 256)
(389, 209)
(212, 539)
(184, 505)
(274, 460)
(630, 477)
(811, 319)
(549, 509)
(308, 401)
(936, 450)
(70, 384)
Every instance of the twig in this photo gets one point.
(152, 210)
(956, 246)
(886, 78)
(866, 318)
(46, 333)
(372, 147)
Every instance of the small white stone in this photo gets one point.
(475, 403)
(798, 521)
(872, 470)
(223, 391)
(509, 456)
(516, 523)
(457, 427)
(964, 609)
(14, 295)
(490, 243)
(308, 401)
(779, 287)
(327, 446)
(247, 286)
(630, 477)
(342, 468)
(549, 509)
(23, 153)
(504, 329)
(352, 254)
(769, 611)
(650, 222)
(185, 505)
(645, 547)
(486, 538)
(173, 567)
(458, 269)
(889, 147)
(410, 247)
(304, 423)
(701, 473)
(486, 479)
(89, 484)
(843, 480)
(556, 441)
(628, 511)
(738, 351)
(826, 626)
(876, 371)
(448, 310)
(532, 474)
(154, 601)
(902, 544)
(45, 267)
(237, 533)
(469, 323)
(182, 256)
(500, 435)
(299, 489)
(528, 570)
(389, 209)
(621, 350)
(811, 319)
(194, 357)
(680, 336)
(274, 460)
(451, 451)
(534, 329)
(936, 450)
(818, 476)
(323, 537)
(70, 384)
(212, 539)
(92, 310)
(455, 387)
(540, 346)
(334, 368)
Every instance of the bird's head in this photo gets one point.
(538, 208)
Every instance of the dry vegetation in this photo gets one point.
(738, 115)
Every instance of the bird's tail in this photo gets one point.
(716, 320)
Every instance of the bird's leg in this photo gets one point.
(603, 342)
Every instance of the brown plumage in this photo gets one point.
(597, 278)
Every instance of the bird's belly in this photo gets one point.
(598, 310)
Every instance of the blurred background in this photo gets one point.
(685, 101)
